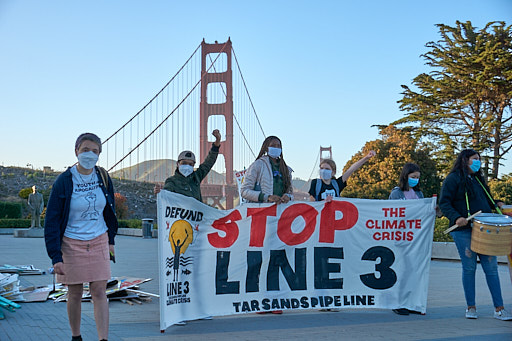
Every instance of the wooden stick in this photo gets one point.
(142, 293)
(127, 301)
(135, 300)
(455, 226)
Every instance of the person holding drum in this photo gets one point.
(465, 192)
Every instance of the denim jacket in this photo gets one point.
(57, 213)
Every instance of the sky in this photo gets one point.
(320, 73)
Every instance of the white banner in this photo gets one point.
(350, 253)
(240, 176)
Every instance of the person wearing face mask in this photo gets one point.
(268, 179)
(328, 186)
(408, 188)
(185, 180)
(465, 192)
(408, 183)
(79, 231)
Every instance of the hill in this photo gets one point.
(137, 189)
(158, 171)
(140, 198)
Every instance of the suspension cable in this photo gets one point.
(158, 93)
(312, 171)
(172, 112)
(247, 91)
(236, 119)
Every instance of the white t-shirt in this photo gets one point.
(86, 220)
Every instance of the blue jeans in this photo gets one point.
(468, 260)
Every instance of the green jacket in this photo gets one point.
(190, 185)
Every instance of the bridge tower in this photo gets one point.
(327, 154)
(225, 109)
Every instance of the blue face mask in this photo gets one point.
(413, 182)
(274, 152)
(87, 159)
(325, 174)
(475, 166)
(186, 170)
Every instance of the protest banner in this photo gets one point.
(349, 253)
(240, 176)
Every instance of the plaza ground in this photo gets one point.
(137, 257)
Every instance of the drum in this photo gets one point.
(507, 209)
(492, 234)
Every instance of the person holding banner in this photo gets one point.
(463, 193)
(408, 188)
(408, 183)
(328, 186)
(268, 179)
(185, 180)
(80, 228)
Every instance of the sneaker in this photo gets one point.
(181, 323)
(502, 315)
(471, 313)
(401, 311)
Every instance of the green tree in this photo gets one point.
(379, 176)
(502, 189)
(465, 101)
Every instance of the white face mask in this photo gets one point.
(186, 170)
(325, 174)
(88, 159)
(274, 152)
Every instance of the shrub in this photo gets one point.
(10, 209)
(441, 225)
(121, 206)
(130, 223)
(17, 223)
(25, 192)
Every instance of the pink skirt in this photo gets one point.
(85, 260)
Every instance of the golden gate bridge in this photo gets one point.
(206, 93)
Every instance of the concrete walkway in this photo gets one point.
(137, 257)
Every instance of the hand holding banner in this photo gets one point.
(348, 253)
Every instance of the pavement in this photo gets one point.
(137, 257)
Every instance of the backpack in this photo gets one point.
(319, 187)
(104, 176)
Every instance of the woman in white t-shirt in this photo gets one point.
(80, 228)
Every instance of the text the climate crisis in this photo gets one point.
(392, 226)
